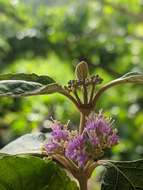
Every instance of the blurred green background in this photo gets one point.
(51, 37)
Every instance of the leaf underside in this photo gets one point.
(123, 176)
(27, 144)
(31, 173)
(26, 84)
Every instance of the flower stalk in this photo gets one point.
(83, 183)
(82, 122)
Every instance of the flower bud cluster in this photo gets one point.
(95, 79)
(97, 136)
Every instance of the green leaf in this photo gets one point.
(31, 173)
(43, 79)
(125, 175)
(26, 85)
(26, 144)
(132, 77)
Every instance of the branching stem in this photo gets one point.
(70, 97)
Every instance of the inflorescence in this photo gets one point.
(98, 135)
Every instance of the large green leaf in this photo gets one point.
(31, 173)
(127, 175)
(26, 85)
(26, 144)
(132, 77)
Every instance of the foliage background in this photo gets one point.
(51, 37)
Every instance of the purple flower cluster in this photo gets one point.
(97, 136)
(75, 150)
(59, 133)
(51, 147)
(59, 137)
(100, 134)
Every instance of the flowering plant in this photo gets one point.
(79, 151)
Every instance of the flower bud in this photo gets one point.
(81, 70)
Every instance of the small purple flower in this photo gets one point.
(98, 123)
(51, 147)
(113, 139)
(74, 145)
(59, 134)
(82, 158)
(94, 140)
(100, 133)
(75, 150)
